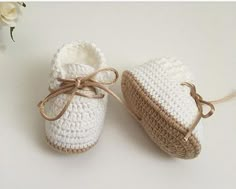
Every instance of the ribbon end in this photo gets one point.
(39, 104)
(186, 139)
(187, 135)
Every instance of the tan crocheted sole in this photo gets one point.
(68, 150)
(163, 129)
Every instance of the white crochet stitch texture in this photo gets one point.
(80, 126)
(161, 79)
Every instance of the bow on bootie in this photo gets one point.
(200, 103)
(77, 86)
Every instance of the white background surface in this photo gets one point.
(203, 35)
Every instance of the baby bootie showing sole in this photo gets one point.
(164, 107)
(80, 126)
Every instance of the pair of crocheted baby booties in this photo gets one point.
(157, 93)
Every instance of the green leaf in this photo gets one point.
(11, 33)
(22, 4)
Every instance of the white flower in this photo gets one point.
(9, 13)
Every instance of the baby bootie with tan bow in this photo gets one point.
(76, 106)
(162, 97)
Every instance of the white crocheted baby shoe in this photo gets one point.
(157, 94)
(77, 128)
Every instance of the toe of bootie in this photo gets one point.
(154, 93)
(80, 126)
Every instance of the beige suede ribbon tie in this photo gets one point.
(200, 103)
(75, 86)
